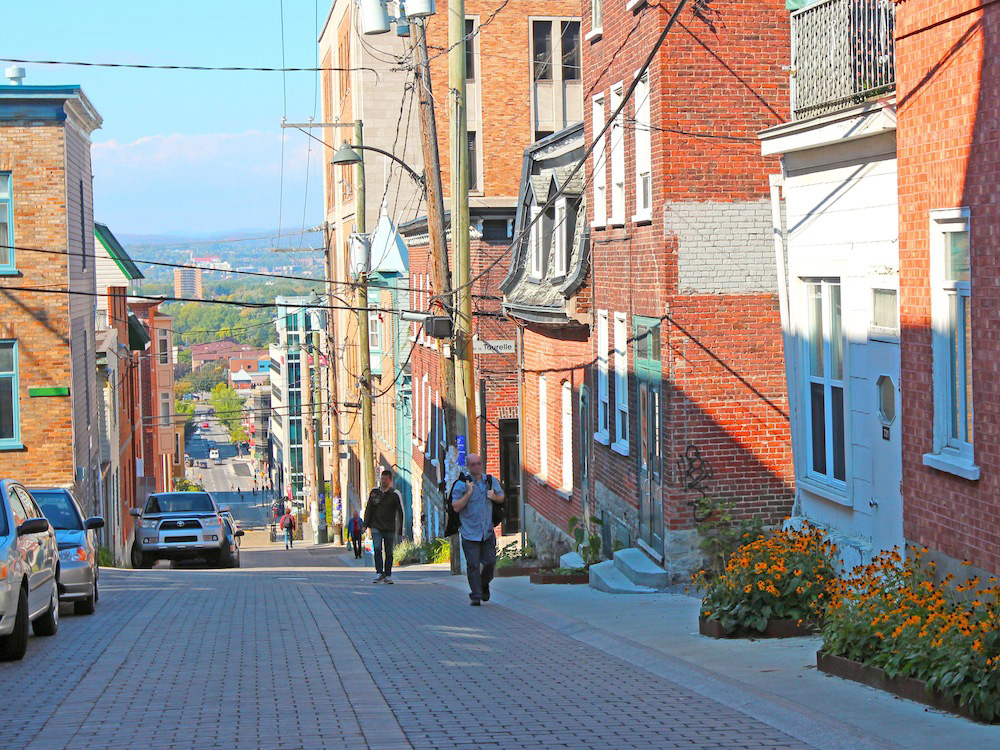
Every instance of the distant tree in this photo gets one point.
(186, 485)
(206, 377)
(228, 406)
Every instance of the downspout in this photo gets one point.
(520, 430)
(777, 182)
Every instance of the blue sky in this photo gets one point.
(185, 152)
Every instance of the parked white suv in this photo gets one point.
(29, 571)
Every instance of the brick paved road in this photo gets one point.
(294, 651)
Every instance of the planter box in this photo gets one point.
(774, 629)
(905, 687)
(542, 577)
(512, 571)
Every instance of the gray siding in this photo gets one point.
(723, 248)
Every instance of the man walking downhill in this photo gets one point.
(287, 524)
(473, 497)
(355, 528)
(384, 516)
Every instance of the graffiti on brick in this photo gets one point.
(697, 473)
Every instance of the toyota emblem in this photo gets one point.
(179, 524)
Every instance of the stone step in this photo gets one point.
(604, 576)
(639, 569)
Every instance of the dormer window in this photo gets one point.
(560, 242)
(536, 248)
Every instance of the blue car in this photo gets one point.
(76, 538)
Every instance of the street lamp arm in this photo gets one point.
(418, 178)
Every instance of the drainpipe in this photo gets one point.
(520, 429)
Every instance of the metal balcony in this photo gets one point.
(842, 55)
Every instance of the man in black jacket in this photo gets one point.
(384, 516)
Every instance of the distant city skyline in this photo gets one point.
(184, 152)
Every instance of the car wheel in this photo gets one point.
(48, 623)
(88, 605)
(146, 562)
(13, 646)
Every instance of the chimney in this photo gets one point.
(15, 75)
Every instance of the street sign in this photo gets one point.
(325, 443)
(493, 347)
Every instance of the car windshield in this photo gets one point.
(179, 502)
(58, 508)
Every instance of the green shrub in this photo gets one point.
(408, 552)
(437, 551)
(104, 557)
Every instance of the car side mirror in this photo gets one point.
(33, 526)
(94, 522)
(224, 509)
(134, 512)
(239, 532)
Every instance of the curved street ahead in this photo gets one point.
(297, 650)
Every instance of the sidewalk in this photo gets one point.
(774, 680)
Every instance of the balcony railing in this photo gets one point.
(842, 54)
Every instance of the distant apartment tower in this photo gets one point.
(187, 283)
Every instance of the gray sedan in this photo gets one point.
(77, 540)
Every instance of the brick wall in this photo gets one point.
(715, 83)
(946, 62)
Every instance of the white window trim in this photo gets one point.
(603, 434)
(535, 254)
(567, 436)
(621, 385)
(642, 138)
(560, 240)
(834, 485)
(543, 428)
(596, 30)
(947, 454)
(617, 131)
(633, 4)
(600, 164)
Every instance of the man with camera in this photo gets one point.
(473, 497)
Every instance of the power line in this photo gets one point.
(211, 68)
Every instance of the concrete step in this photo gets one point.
(604, 576)
(639, 569)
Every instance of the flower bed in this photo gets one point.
(773, 629)
(561, 575)
(894, 616)
(782, 576)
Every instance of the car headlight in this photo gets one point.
(213, 521)
(148, 524)
(73, 554)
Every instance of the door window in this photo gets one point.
(18, 508)
(886, 399)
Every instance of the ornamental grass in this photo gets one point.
(893, 614)
(782, 576)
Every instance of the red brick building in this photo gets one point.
(949, 162)
(687, 386)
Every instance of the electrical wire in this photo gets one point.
(211, 68)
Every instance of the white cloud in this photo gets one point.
(203, 183)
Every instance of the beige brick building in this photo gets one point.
(48, 391)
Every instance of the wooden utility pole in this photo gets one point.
(458, 125)
(334, 503)
(367, 451)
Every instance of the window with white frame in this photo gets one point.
(596, 18)
(536, 243)
(621, 383)
(560, 241)
(418, 437)
(425, 402)
(952, 322)
(163, 346)
(617, 158)
(600, 164)
(437, 425)
(603, 433)
(824, 354)
(643, 152)
(10, 423)
(567, 436)
(6, 224)
(543, 428)
(165, 409)
(374, 331)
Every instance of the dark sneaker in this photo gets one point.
(486, 592)
(379, 578)
(475, 603)
(387, 579)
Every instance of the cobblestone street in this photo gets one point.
(296, 650)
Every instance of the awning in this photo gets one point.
(138, 336)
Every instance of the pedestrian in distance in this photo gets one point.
(355, 529)
(287, 524)
(384, 516)
(473, 496)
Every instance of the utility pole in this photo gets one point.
(316, 422)
(334, 503)
(367, 452)
(436, 235)
(458, 125)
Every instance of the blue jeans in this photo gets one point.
(288, 538)
(388, 540)
(480, 562)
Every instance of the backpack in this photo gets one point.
(287, 522)
(453, 522)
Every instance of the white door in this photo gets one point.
(886, 503)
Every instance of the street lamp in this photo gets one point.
(346, 156)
